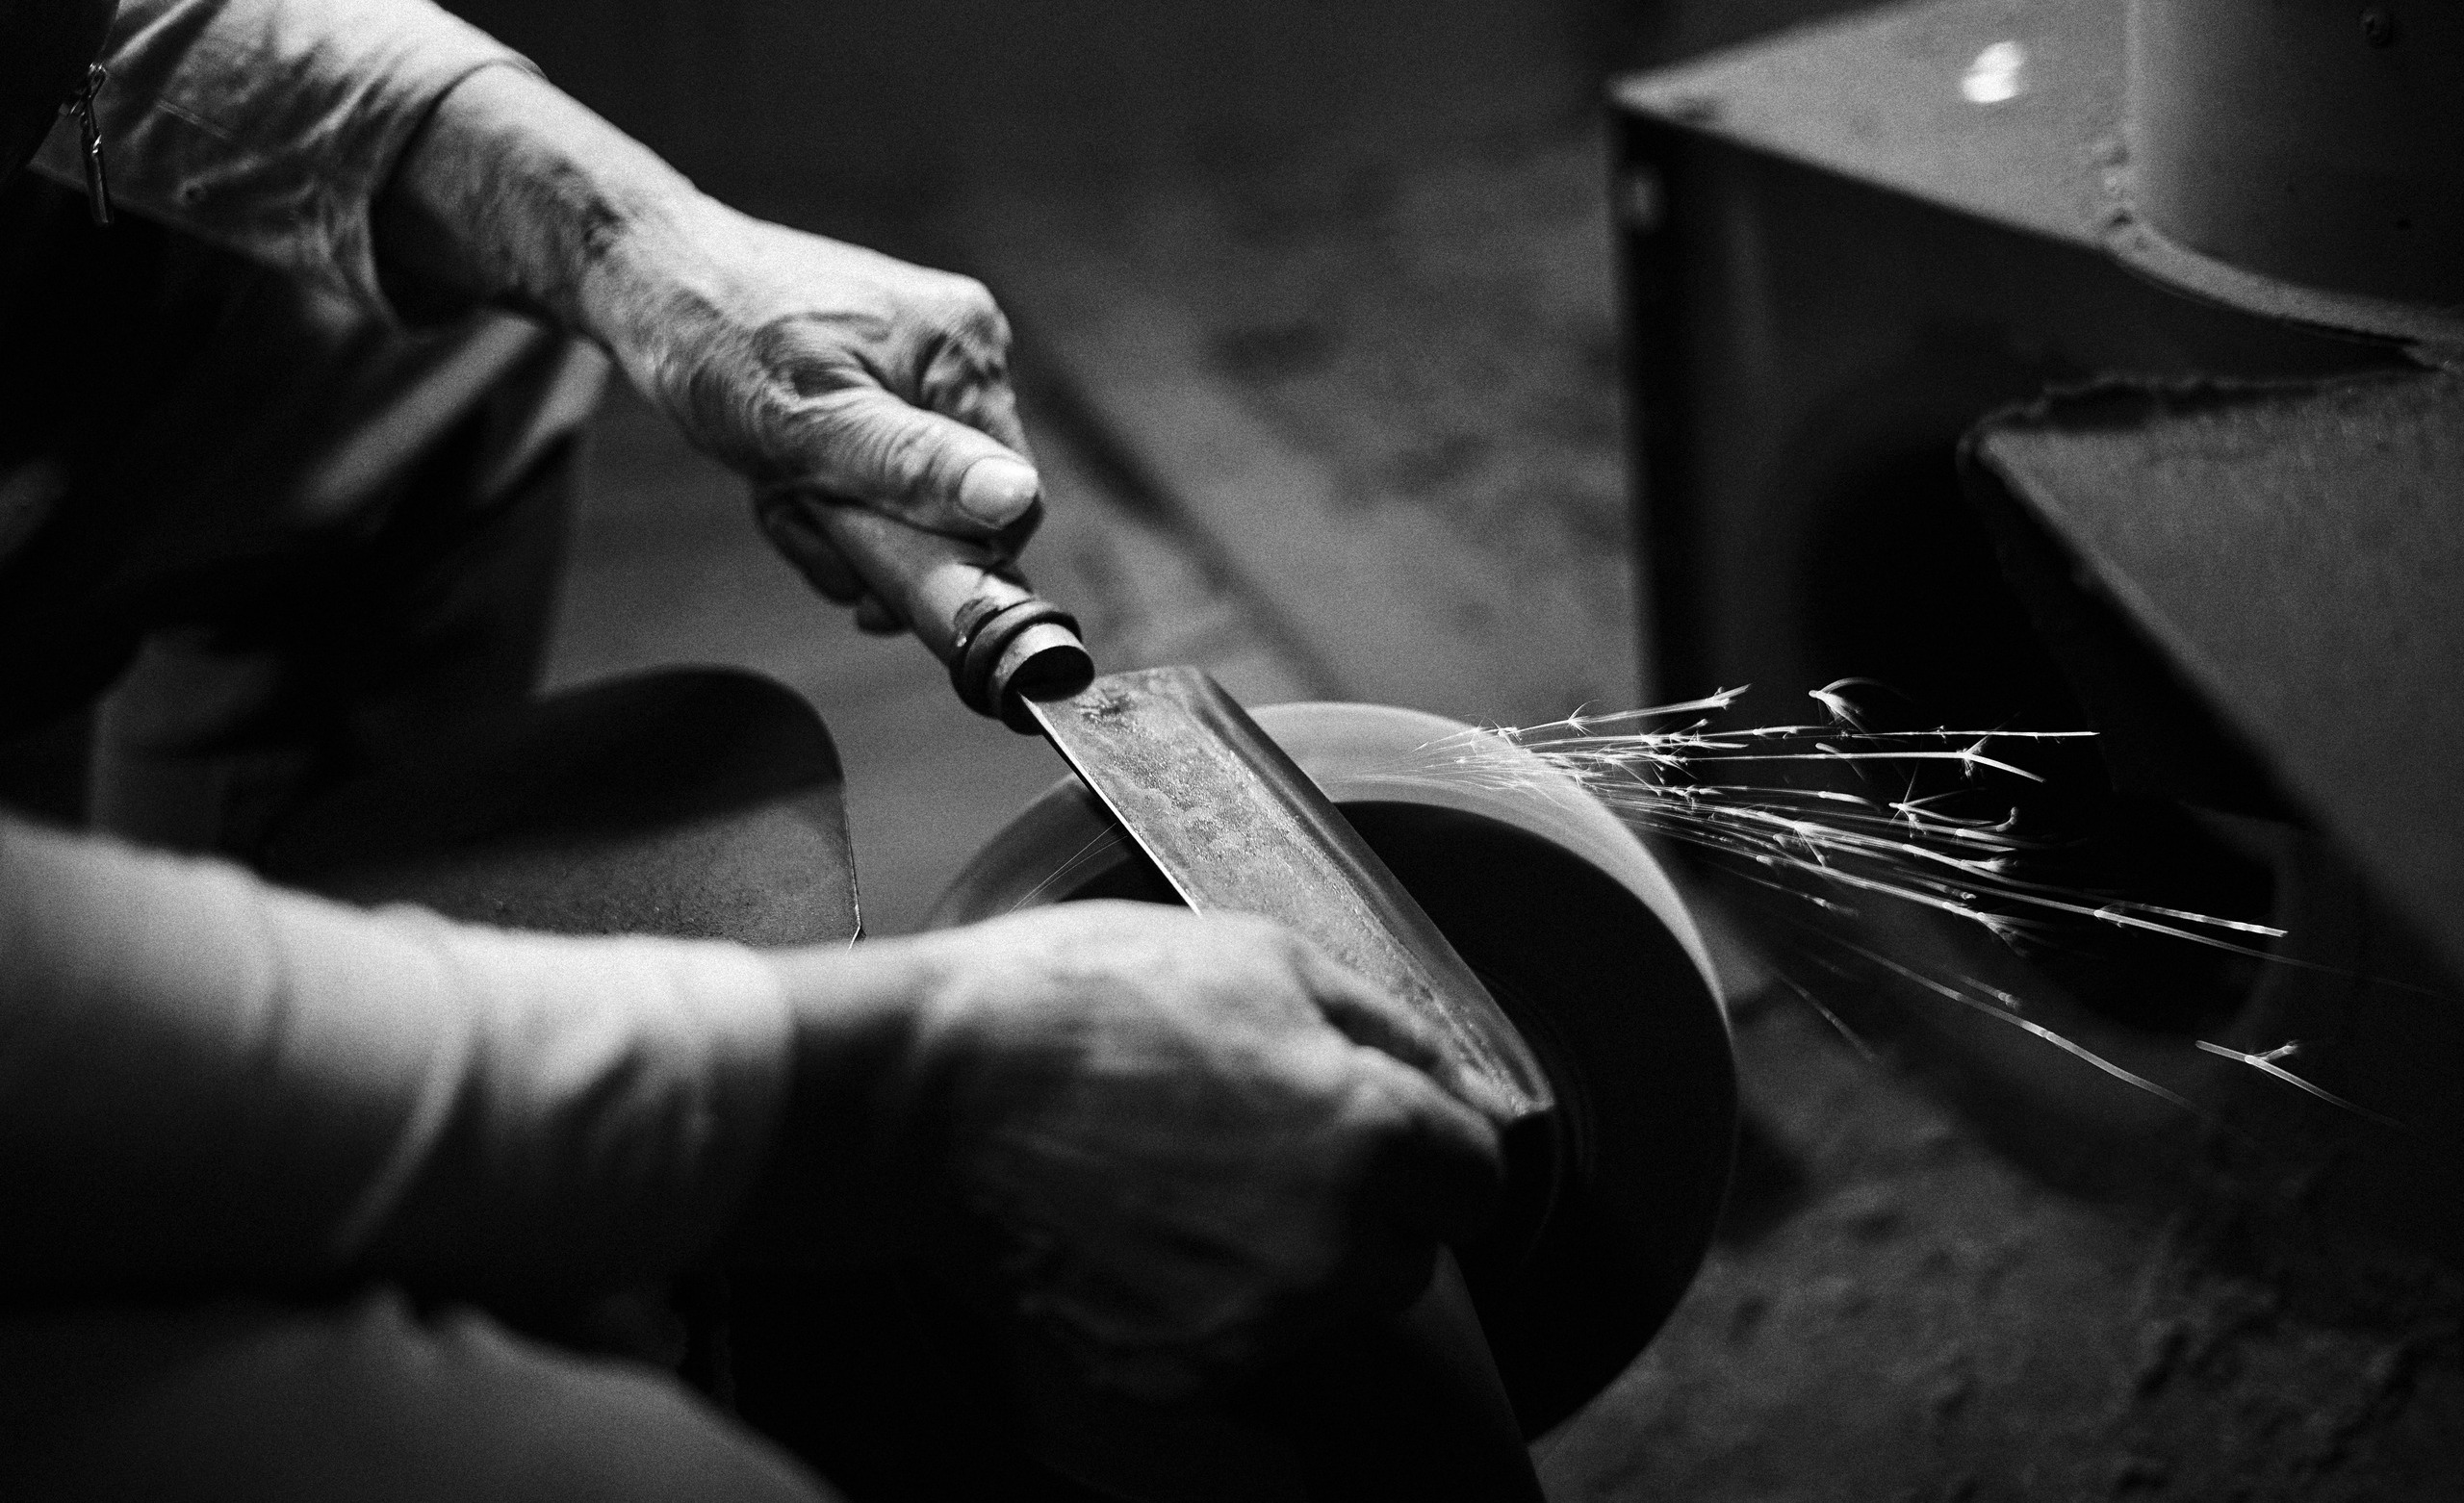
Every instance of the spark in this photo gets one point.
(1680, 778)
(2029, 1026)
(1666, 771)
(1097, 845)
(2266, 1064)
(1830, 698)
(1829, 1017)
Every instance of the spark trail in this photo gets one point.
(1669, 771)
(1683, 780)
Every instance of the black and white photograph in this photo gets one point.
(1248, 752)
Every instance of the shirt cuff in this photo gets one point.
(269, 127)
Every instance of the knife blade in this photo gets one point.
(1236, 827)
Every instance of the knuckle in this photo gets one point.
(1376, 1116)
(1415, 1030)
(803, 358)
(970, 295)
(1297, 952)
(972, 313)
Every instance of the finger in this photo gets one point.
(875, 619)
(1440, 1171)
(1121, 1333)
(922, 466)
(786, 519)
(1367, 1015)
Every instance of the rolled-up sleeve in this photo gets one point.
(208, 1081)
(270, 126)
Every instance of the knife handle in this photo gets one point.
(966, 602)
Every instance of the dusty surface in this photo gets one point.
(1896, 1312)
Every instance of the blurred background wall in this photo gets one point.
(793, 101)
(872, 98)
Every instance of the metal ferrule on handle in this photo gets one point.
(965, 602)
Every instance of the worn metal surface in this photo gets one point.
(2293, 551)
(1237, 829)
(2299, 160)
(2012, 112)
(1835, 263)
(1839, 263)
(1879, 100)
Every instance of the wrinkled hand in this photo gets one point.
(1175, 1145)
(812, 366)
(822, 370)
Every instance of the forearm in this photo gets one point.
(514, 193)
(792, 357)
(208, 1082)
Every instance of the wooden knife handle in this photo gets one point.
(967, 602)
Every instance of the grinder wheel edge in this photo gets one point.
(1586, 944)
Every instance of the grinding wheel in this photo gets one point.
(1577, 931)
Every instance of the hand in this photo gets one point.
(816, 368)
(1175, 1145)
(829, 373)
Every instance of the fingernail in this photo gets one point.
(996, 489)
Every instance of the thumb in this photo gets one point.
(921, 466)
